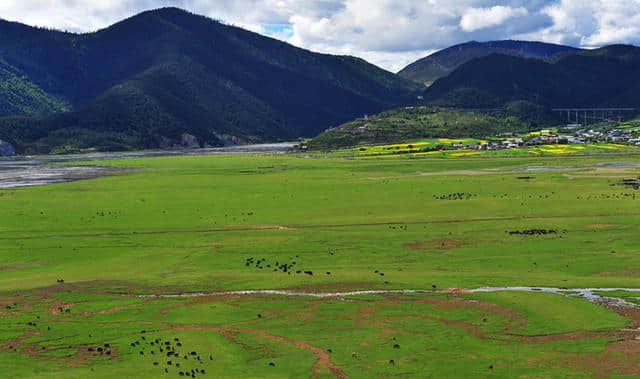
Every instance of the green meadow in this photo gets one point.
(81, 261)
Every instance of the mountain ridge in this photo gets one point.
(122, 81)
(441, 63)
(600, 77)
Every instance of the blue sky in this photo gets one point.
(389, 33)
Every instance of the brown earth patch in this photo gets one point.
(16, 266)
(115, 309)
(438, 244)
(469, 328)
(606, 364)
(365, 314)
(620, 357)
(58, 307)
(35, 350)
(627, 271)
(231, 336)
(515, 319)
(83, 355)
(447, 244)
(16, 343)
(416, 246)
(309, 312)
(322, 357)
(600, 226)
(559, 336)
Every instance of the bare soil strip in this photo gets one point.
(322, 357)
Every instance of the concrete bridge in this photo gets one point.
(594, 115)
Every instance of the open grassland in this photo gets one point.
(314, 223)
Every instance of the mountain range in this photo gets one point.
(152, 79)
(605, 77)
(168, 78)
(440, 64)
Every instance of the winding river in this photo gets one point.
(591, 294)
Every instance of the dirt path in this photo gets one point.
(323, 359)
(247, 228)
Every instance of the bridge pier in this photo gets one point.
(598, 114)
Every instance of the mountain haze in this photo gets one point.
(147, 80)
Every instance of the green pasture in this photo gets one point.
(171, 225)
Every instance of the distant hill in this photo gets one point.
(440, 64)
(609, 76)
(406, 124)
(146, 81)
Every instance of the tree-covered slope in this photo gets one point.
(18, 96)
(440, 64)
(163, 73)
(604, 77)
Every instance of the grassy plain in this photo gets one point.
(188, 224)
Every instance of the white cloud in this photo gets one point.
(481, 18)
(591, 23)
(389, 33)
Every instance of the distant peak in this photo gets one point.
(166, 12)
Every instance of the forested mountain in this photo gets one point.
(146, 81)
(440, 64)
(18, 96)
(609, 76)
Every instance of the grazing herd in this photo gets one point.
(608, 196)
(456, 196)
(632, 182)
(289, 268)
(285, 268)
(171, 355)
(533, 232)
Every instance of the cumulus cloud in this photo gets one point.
(481, 18)
(389, 33)
(592, 23)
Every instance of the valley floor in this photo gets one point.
(297, 265)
